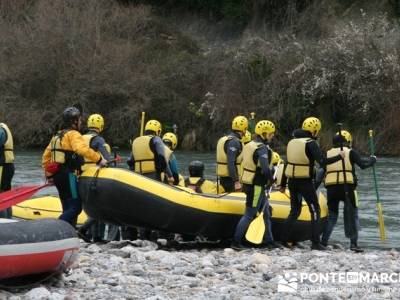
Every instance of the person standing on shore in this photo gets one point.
(95, 141)
(229, 148)
(62, 160)
(335, 185)
(302, 152)
(148, 155)
(6, 164)
(255, 177)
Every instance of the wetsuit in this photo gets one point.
(336, 193)
(300, 188)
(6, 172)
(254, 188)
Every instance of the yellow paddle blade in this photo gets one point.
(255, 232)
(381, 222)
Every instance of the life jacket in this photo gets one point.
(298, 164)
(143, 156)
(195, 183)
(8, 147)
(60, 156)
(279, 174)
(88, 137)
(222, 158)
(249, 166)
(334, 172)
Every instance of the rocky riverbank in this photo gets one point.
(144, 270)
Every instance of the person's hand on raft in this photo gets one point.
(171, 180)
(103, 162)
(238, 186)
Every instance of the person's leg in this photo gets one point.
(310, 196)
(250, 213)
(295, 210)
(66, 184)
(333, 212)
(6, 175)
(354, 239)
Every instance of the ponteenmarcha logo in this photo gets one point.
(288, 283)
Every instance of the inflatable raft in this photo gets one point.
(36, 247)
(124, 197)
(40, 208)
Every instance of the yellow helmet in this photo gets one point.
(347, 136)
(170, 137)
(312, 125)
(275, 159)
(240, 123)
(263, 127)
(153, 125)
(96, 121)
(246, 137)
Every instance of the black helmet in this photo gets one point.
(196, 168)
(71, 115)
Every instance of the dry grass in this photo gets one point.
(121, 60)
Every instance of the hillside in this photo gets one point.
(199, 63)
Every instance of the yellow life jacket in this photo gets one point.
(298, 164)
(167, 153)
(201, 185)
(279, 174)
(57, 152)
(8, 145)
(88, 139)
(222, 158)
(248, 165)
(142, 154)
(334, 172)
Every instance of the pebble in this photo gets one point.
(139, 270)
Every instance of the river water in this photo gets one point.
(28, 171)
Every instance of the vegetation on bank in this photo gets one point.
(194, 67)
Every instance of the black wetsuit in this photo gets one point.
(336, 193)
(304, 188)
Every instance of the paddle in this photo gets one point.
(348, 213)
(255, 232)
(19, 194)
(142, 124)
(378, 200)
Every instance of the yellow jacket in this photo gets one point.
(72, 141)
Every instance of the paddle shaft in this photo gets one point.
(142, 123)
(270, 188)
(378, 200)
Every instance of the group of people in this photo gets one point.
(245, 162)
(249, 167)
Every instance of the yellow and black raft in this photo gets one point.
(42, 208)
(123, 197)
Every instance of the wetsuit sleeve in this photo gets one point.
(319, 177)
(99, 144)
(233, 148)
(261, 155)
(314, 153)
(131, 162)
(363, 163)
(173, 165)
(78, 145)
(3, 137)
(161, 161)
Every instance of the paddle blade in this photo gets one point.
(17, 195)
(381, 221)
(255, 232)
